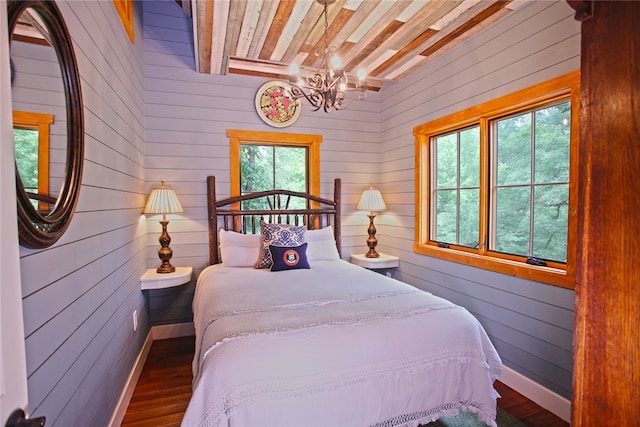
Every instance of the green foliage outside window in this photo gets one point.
(529, 195)
(532, 183)
(26, 155)
(269, 167)
(457, 192)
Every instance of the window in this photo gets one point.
(493, 187)
(263, 161)
(31, 134)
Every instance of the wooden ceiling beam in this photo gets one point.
(249, 25)
(403, 53)
(379, 24)
(441, 41)
(339, 33)
(413, 34)
(267, 14)
(203, 38)
(234, 25)
(298, 39)
(281, 18)
(389, 38)
(465, 27)
(218, 35)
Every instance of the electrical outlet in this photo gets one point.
(388, 274)
(135, 320)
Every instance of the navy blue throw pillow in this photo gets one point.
(289, 258)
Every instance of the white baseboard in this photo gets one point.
(162, 332)
(156, 333)
(130, 385)
(535, 392)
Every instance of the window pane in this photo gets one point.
(550, 222)
(256, 168)
(470, 157)
(26, 155)
(255, 204)
(541, 186)
(291, 168)
(446, 149)
(552, 143)
(446, 213)
(457, 187)
(469, 217)
(513, 158)
(512, 220)
(269, 167)
(291, 172)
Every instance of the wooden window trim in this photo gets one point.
(567, 85)
(125, 11)
(42, 123)
(311, 142)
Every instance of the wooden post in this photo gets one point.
(606, 376)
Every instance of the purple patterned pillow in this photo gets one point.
(277, 235)
(289, 258)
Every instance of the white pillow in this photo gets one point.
(321, 245)
(238, 250)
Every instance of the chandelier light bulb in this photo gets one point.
(362, 73)
(294, 69)
(336, 62)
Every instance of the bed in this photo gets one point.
(312, 340)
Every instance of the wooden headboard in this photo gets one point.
(228, 215)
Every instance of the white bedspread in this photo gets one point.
(336, 345)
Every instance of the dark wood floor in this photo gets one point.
(164, 389)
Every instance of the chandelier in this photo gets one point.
(327, 86)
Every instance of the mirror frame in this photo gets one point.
(34, 229)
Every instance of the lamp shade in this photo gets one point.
(163, 200)
(371, 200)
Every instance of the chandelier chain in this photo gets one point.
(326, 28)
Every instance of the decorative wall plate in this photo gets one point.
(275, 105)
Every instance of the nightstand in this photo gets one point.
(154, 280)
(383, 261)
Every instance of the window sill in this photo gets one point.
(552, 276)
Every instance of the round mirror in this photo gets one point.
(48, 121)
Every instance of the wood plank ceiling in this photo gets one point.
(391, 39)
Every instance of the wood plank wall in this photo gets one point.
(149, 116)
(530, 323)
(79, 295)
(187, 115)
